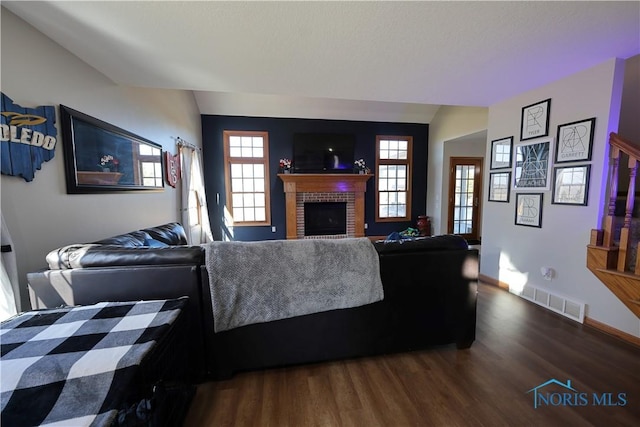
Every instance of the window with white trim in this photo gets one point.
(150, 166)
(246, 157)
(393, 178)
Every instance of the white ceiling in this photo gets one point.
(404, 55)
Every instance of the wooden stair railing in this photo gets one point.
(608, 261)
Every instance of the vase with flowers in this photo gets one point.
(108, 163)
(360, 166)
(285, 165)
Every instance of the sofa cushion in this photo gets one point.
(153, 243)
(130, 240)
(434, 243)
(163, 244)
(171, 233)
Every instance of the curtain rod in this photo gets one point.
(183, 143)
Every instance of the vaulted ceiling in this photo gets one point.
(418, 54)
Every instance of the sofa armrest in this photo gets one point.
(93, 255)
(436, 288)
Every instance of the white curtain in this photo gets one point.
(9, 305)
(195, 215)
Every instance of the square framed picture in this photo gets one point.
(534, 122)
(575, 140)
(532, 165)
(529, 209)
(499, 186)
(501, 153)
(571, 185)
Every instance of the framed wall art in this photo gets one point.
(571, 185)
(100, 157)
(529, 209)
(499, 186)
(532, 165)
(501, 153)
(534, 122)
(575, 140)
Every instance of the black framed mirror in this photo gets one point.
(100, 157)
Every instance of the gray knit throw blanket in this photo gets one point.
(254, 282)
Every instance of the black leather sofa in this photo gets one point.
(430, 291)
(153, 263)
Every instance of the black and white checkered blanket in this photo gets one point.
(72, 366)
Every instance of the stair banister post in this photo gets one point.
(623, 261)
(631, 194)
(613, 193)
(613, 179)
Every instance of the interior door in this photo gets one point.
(465, 186)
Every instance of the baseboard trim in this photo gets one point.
(609, 330)
(494, 282)
(601, 327)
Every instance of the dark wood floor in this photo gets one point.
(518, 347)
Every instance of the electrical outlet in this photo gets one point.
(366, 225)
(273, 229)
(547, 273)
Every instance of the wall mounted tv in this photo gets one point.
(323, 152)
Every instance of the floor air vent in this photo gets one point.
(571, 309)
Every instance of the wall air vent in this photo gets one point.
(572, 309)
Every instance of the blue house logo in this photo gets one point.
(564, 394)
(539, 397)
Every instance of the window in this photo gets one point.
(465, 180)
(393, 178)
(150, 166)
(246, 177)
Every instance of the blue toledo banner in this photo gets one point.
(28, 138)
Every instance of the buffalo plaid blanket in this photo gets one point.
(73, 366)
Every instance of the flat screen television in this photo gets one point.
(323, 152)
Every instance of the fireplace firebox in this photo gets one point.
(325, 218)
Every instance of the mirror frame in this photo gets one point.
(92, 148)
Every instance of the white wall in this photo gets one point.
(449, 123)
(630, 107)
(263, 105)
(514, 254)
(40, 215)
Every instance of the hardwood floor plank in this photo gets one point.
(518, 347)
(367, 391)
(342, 387)
(274, 399)
(299, 394)
(249, 400)
(325, 409)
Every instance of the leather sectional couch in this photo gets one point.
(148, 264)
(430, 291)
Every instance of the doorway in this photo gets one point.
(465, 186)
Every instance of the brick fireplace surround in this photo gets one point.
(301, 188)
